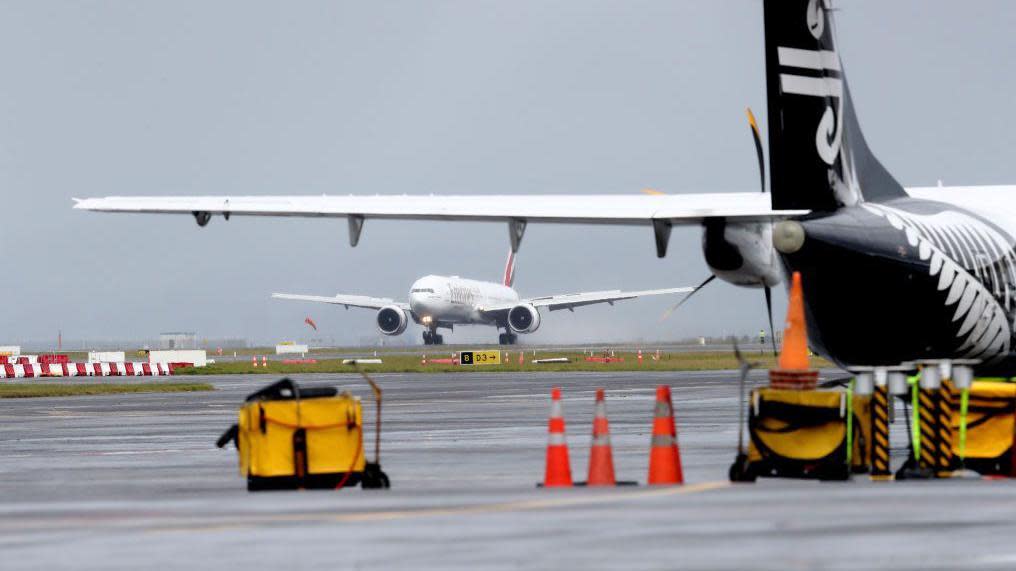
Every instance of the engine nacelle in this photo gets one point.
(741, 253)
(523, 318)
(392, 320)
(202, 217)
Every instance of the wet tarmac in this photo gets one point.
(132, 481)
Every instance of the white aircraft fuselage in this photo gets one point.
(455, 300)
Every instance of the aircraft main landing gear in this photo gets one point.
(432, 338)
(507, 339)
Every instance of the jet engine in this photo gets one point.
(392, 320)
(741, 253)
(523, 318)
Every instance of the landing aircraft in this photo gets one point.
(891, 274)
(442, 302)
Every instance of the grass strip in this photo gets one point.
(702, 361)
(34, 390)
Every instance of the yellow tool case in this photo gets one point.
(806, 434)
(292, 437)
(987, 446)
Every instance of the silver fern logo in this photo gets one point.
(976, 270)
(828, 85)
(816, 18)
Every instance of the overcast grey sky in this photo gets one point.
(197, 97)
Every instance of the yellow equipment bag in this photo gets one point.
(804, 434)
(990, 427)
(289, 437)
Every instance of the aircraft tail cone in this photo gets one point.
(793, 369)
(664, 455)
(601, 458)
(558, 472)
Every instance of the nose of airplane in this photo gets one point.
(419, 292)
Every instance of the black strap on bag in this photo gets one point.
(988, 408)
(300, 461)
(231, 434)
(286, 389)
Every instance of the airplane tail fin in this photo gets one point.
(818, 158)
(509, 270)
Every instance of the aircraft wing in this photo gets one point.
(348, 301)
(573, 300)
(602, 208)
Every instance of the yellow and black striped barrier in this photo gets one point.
(880, 468)
(928, 427)
(943, 426)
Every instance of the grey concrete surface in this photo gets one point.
(134, 481)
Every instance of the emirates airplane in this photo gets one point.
(891, 274)
(437, 302)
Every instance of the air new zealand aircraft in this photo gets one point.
(891, 274)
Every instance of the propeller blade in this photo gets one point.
(674, 307)
(743, 364)
(769, 310)
(758, 149)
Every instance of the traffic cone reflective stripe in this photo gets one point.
(558, 472)
(601, 459)
(664, 456)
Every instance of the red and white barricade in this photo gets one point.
(15, 370)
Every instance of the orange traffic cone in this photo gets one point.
(793, 370)
(664, 456)
(264, 360)
(253, 361)
(522, 357)
(795, 334)
(558, 473)
(424, 360)
(601, 459)
(640, 357)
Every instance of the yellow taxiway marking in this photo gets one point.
(242, 521)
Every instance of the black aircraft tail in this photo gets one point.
(818, 159)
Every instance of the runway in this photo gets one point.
(129, 481)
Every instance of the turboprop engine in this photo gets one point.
(523, 318)
(741, 253)
(392, 320)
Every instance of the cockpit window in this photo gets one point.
(422, 290)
